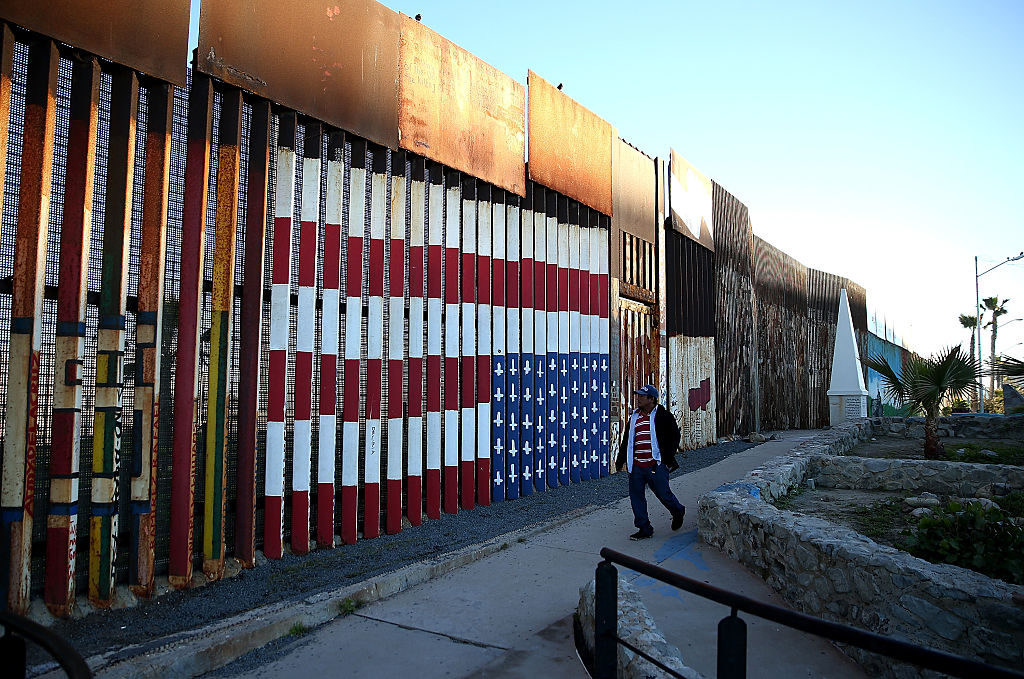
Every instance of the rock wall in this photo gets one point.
(967, 425)
(837, 574)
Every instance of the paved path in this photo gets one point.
(510, 614)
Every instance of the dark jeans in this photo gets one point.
(657, 478)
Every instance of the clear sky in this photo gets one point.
(882, 141)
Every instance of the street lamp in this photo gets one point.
(977, 323)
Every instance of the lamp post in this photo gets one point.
(977, 325)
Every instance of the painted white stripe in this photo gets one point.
(395, 449)
(279, 310)
(483, 440)
(396, 322)
(300, 459)
(373, 437)
(433, 322)
(416, 330)
(306, 325)
(375, 326)
(353, 328)
(284, 198)
(415, 463)
(451, 438)
(275, 463)
(327, 449)
(433, 439)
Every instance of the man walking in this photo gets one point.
(651, 434)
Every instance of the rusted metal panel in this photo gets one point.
(337, 63)
(735, 367)
(634, 191)
(690, 201)
(570, 148)
(690, 280)
(691, 394)
(458, 110)
(822, 308)
(151, 36)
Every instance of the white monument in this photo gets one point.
(847, 397)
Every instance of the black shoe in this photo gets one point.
(677, 521)
(640, 535)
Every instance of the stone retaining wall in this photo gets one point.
(954, 426)
(837, 574)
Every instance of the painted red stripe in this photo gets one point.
(397, 283)
(415, 271)
(433, 383)
(276, 376)
(303, 385)
(354, 283)
(63, 435)
(451, 391)
(574, 290)
(468, 483)
(563, 288)
(540, 302)
(483, 279)
(393, 520)
(394, 389)
(483, 481)
(374, 373)
(371, 510)
(328, 384)
(282, 246)
(595, 295)
(526, 273)
(272, 543)
(434, 271)
(498, 281)
(325, 513)
(483, 380)
(350, 405)
(603, 283)
(584, 292)
(512, 278)
(468, 370)
(332, 256)
(58, 563)
(552, 287)
(468, 284)
(415, 387)
(375, 282)
(307, 253)
(451, 490)
(349, 511)
(451, 288)
(434, 493)
(414, 500)
(300, 521)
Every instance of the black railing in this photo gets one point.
(13, 649)
(732, 631)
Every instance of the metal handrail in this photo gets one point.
(734, 657)
(17, 629)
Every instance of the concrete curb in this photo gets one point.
(195, 652)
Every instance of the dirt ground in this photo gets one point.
(877, 514)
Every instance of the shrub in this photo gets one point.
(984, 540)
(1012, 504)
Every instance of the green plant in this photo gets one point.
(1012, 504)
(786, 500)
(1004, 453)
(994, 403)
(880, 517)
(984, 540)
(298, 630)
(924, 382)
(347, 606)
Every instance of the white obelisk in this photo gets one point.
(847, 397)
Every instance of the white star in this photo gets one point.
(526, 367)
(564, 370)
(498, 395)
(512, 368)
(512, 421)
(498, 371)
(498, 448)
(512, 391)
(497, 479)
(575, 462)
(526, 473)
(512, 474)
(564, 397)
(512, 448)
(497, 418)
(526, 421)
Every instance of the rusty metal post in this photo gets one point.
(65, 444)
(149, 333)
(193, 236)
(19, 455)
(228, 166)
(6, 73)
(106, 443)
(251, 321)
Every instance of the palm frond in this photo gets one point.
(892, 382)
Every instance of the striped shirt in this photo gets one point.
(643, 454)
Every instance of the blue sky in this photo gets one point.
(882, 141)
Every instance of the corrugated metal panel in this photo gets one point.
(735, 370)
(690, 274)
(456, 109)
(822, 308)
(690, 201)
(328, 62)
(151, 37)
(570, 147)
(691, 397)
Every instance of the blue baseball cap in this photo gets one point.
(648, 390)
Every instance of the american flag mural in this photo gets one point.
(452, 231)
(553, 362)
(525, 432)
(572, 385)
(540, 339)
(467, 361)
(561, 425)
(483, 366)
(513, 349)
(435, 332)
(375, 343)
(581, 362)
(396, 347)
(499, 392)
(603, 340)
(414, 445)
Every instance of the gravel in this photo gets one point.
(296, 577)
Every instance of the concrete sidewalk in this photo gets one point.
(509, 614)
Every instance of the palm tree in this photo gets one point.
(971, 323)
(1010, 368)
(925, 382)
(998, 309)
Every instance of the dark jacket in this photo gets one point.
(667, 431)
